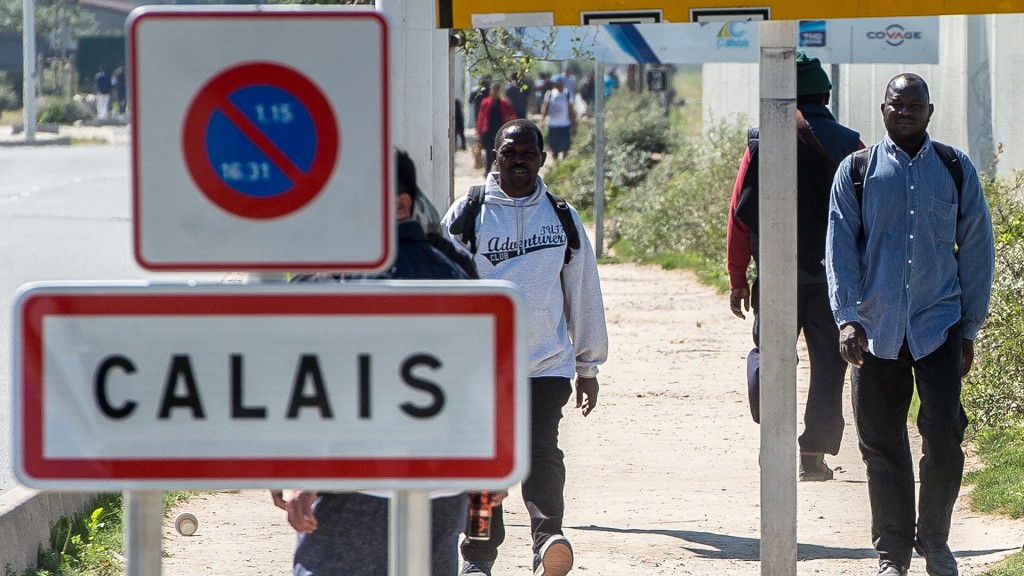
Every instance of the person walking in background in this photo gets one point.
(347, 532)
(102, 85)
(519, 94)
(540, 87)
(495, 111)
(480, 92)
(517, 231)
(120, 90)
(460, 125)
(559, 112)
(909, 261)
(822, 143)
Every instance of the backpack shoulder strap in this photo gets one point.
(572, 234)
(464, 225)
(952, 162)
(858, 169)
(806, 134)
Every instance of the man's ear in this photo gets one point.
(543, 157)
(404, 207)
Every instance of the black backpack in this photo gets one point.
(464, 225)
(814, 181)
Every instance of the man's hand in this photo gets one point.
(586, 393)
(300, 511)
(853, 342)
(968, 353)
(739, 297)
(277, 496)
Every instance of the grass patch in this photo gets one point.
(92, 542)
(999, 486)
(1012, 565)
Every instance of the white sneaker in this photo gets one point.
(554, 558)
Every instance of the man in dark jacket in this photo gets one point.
(821, 144)
(347, 532)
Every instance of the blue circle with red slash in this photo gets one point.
(260, 140)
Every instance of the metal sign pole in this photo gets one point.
(409, 533)
(599, 158)
(143, 512)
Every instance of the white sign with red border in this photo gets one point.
(365, 385)
(260, 138)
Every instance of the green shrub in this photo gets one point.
(10, 95)
(682, 206)
(992, 388)
(62, 111)
(636, 136)
(85, 544)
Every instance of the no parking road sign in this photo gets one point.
(361, 385)
(261, 139)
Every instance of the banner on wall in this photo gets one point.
(848, 41)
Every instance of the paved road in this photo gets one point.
(65, 214)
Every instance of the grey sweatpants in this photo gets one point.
(351, 538)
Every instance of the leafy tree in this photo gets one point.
(59, 21)
(514, 52)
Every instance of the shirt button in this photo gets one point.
(911, 236)
(911, 211)
(910, 261)
(911, 187)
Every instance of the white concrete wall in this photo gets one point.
(730, 90)
(1007, 79)
(26, 516)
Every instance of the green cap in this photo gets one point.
(810, 76)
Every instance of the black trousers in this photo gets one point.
(823, 415)
(882, 391)
(543, 488)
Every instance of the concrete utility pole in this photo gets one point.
(28, 65)
(421, 106)
(777, 222)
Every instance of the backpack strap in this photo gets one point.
(952, 162)
(572, 234)
(859, 167)
(858, 170)
(804, 132)
(464, 225)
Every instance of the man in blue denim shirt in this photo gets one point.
(909, 262)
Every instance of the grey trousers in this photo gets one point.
(351, 538)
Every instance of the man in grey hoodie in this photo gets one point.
(520, 238)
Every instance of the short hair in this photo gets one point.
(406, 169)
(908, 80)
(523, 124)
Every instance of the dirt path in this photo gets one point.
(663, 476)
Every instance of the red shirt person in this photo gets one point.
(495, 111)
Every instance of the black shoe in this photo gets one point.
(813, 467)
(887, 568)
(938, 558)
(554, 558)
(476, 568)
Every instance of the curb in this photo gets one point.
(26, 516)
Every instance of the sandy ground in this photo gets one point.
(663, 476)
